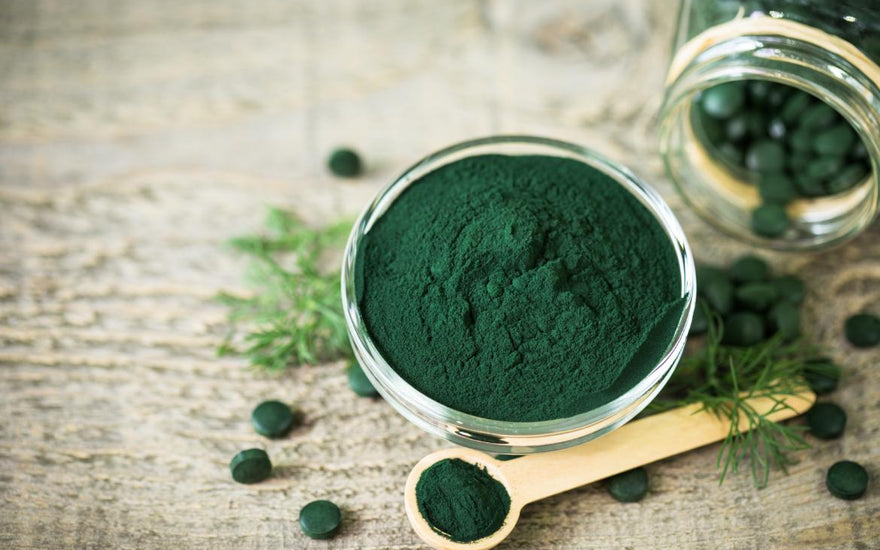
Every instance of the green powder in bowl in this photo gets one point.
(516, 288)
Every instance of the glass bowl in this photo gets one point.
(497, 436)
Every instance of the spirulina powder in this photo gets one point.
(519, 288)
(461, 501)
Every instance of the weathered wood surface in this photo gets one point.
(136, 137)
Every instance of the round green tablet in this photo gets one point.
(765, 156)
(785, 318)
(826, 420)
(272, 419)
(837, 140)
(822, 375)
(344, 162)
(808, 186)
(770, 220)
(719, 294)
(731, 153)
(737, 127)
(706, 273)
(757, 125)
(756, 296)
(790, 289)
(800, 141)
(631, 486)
(723, 100)
(758, 89)
(847, 480)
(743, 329)
(823, 167)
(250, 466)
(699, 322)
(749, 269)
(796, 104)
(359, 383)
(818, 115)
(778, 94)
(863, 330)
(847, 178)
(776, 189)
(320, 519)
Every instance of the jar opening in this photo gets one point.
(726, 195)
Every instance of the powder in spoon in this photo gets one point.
(461, 501)
(519, 288)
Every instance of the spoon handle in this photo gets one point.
(637, 443)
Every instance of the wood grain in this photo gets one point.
(137, 137)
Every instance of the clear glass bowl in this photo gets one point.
(496, 436)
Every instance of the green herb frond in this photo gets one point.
(723, 378)
(295, 314)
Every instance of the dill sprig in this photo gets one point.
(295, 315)
(723, 378)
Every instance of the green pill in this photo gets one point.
(790, 289)
(785, 318)
(809, 186)
(847, 480)
(749, 269)
(777, 128)
(795, 105)
(778, 94)
(708, 273)
(737, 127)
(822, 375)
(835, 141)
(758, 90)
(826, 420)
(756, 296)
(757, 125)
(847, 178)
(359, 383)
(345, 163)
(272, 419)
(770, 220)
(743, 329)
(724, 100)
(699, 322)
(631, 486)
(765, 156)
(800, 141)
(250, 466)
(776, 189)
(731, 153)
(320, 519)
(859, 151)
(862, 330)
(719, 294)
(823, 167)
(818, 115)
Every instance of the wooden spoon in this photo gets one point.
(533, 477)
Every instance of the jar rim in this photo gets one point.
(501, 436)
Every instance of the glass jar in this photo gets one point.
(495, 436)
(829, 50)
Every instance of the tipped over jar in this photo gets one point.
(770, 127)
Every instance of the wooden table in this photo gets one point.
(137, 137)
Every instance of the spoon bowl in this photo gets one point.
(433, 537)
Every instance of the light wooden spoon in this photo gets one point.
(533, 477)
